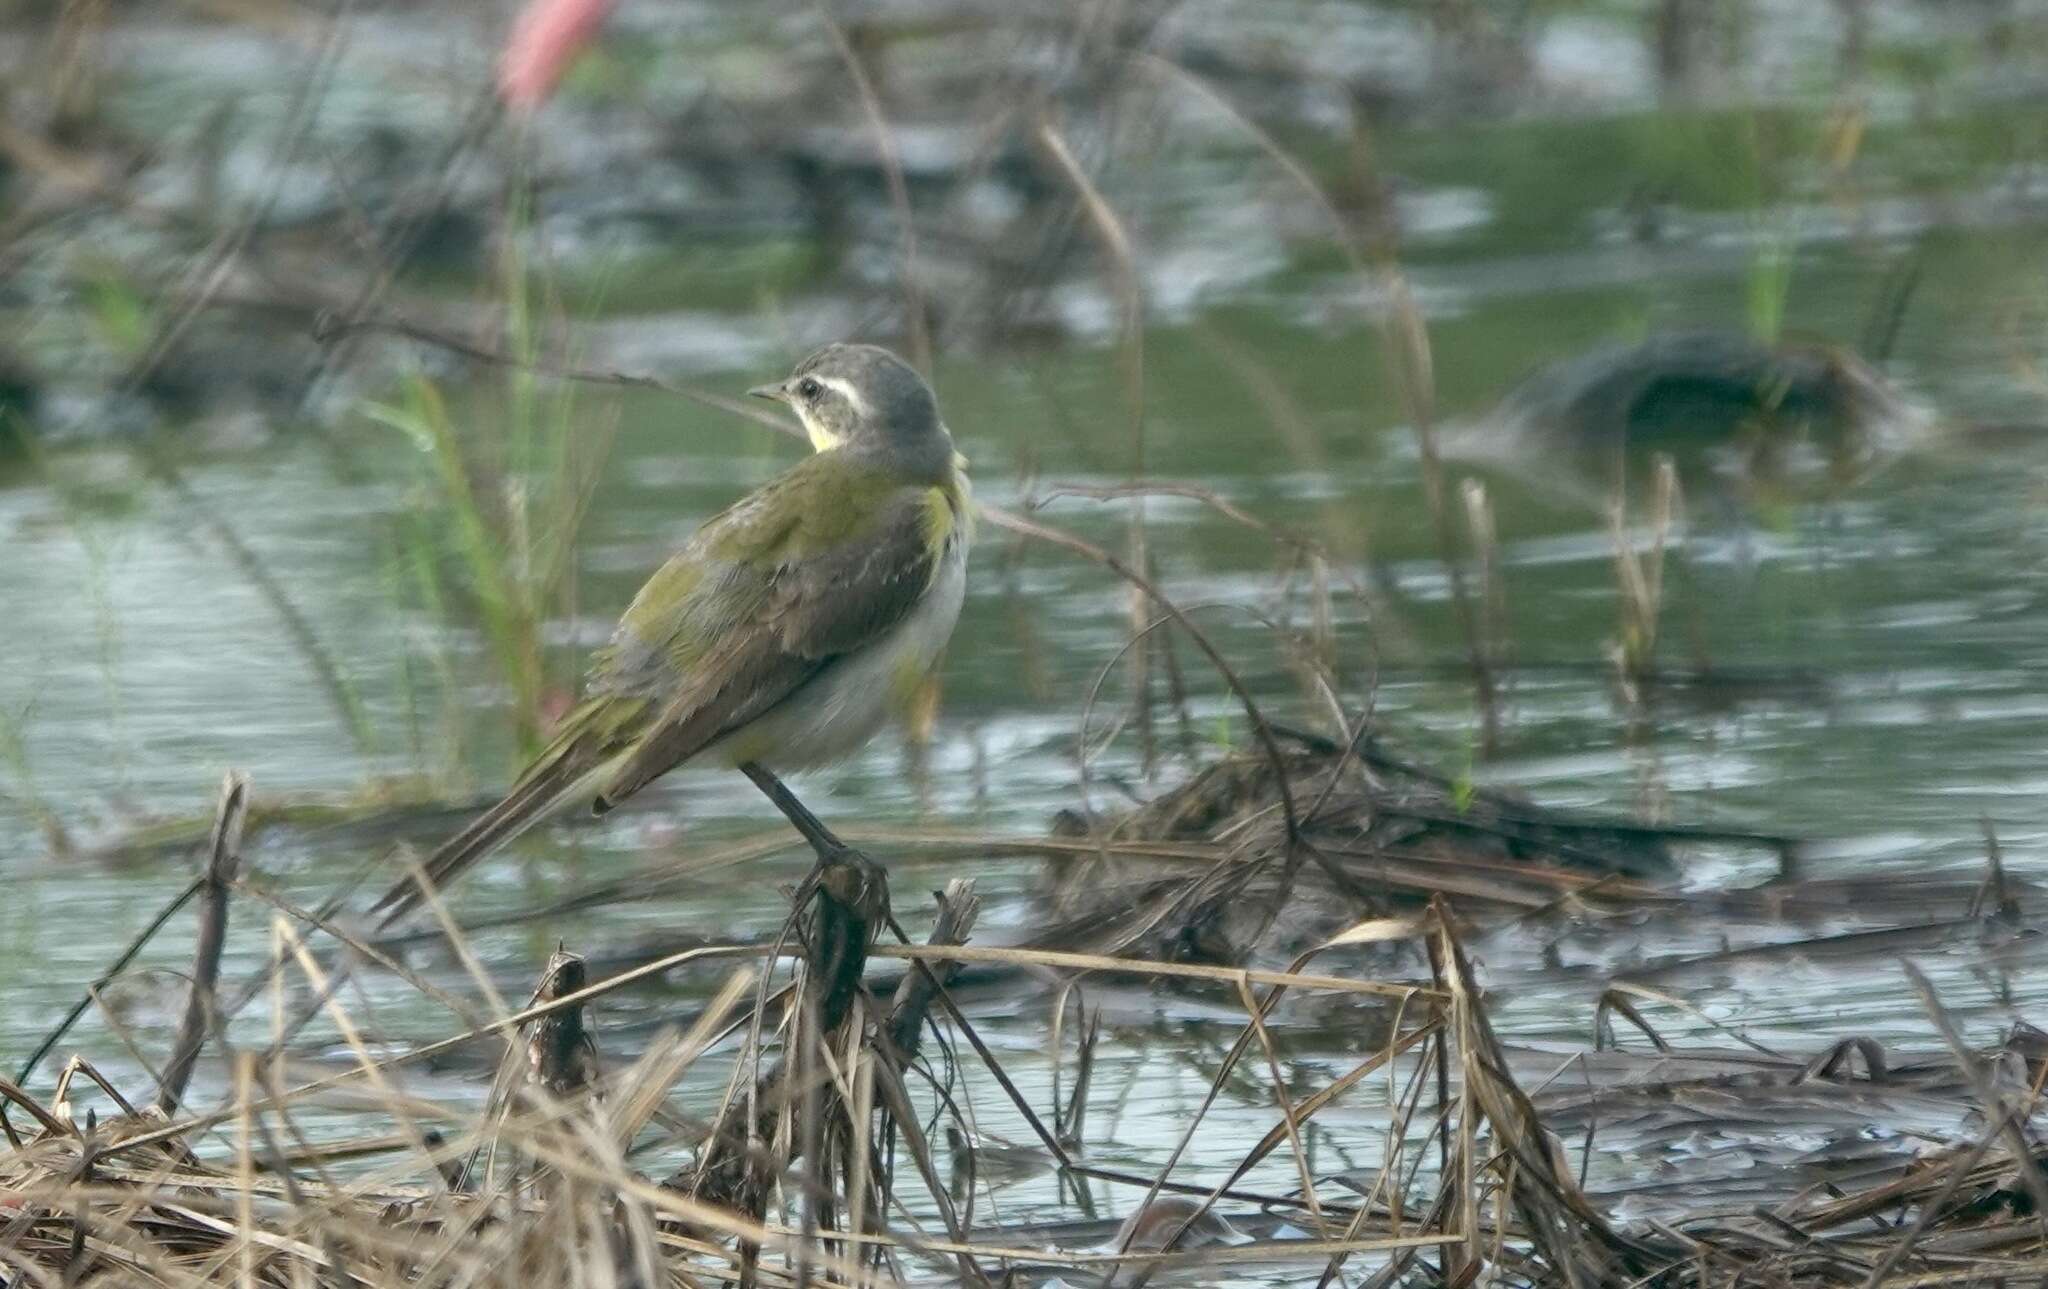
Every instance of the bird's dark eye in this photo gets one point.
(808, 387)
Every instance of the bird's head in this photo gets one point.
(866, 399)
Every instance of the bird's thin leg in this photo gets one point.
(814, 831)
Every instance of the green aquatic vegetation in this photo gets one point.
(408, 570)
(121, 318)
(22, 789)
(84, 502)
(1767, 285)
(493, 531)
(501, 490)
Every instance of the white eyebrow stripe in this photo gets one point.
(845, 390)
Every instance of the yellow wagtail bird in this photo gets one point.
(788, 629)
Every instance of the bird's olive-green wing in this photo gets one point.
(821, 561)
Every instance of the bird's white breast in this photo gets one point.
(840, 708)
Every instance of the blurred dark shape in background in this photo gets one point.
(1730, 411)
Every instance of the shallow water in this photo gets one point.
(1893, 641)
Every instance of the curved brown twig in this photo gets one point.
(1268, 742)
(331, 328)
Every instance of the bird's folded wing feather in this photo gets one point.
(822, 561)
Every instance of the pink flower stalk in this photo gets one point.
(545, 40)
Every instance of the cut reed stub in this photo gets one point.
(560, 1050)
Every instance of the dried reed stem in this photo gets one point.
(224, 856)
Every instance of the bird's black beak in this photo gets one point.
(773, 391)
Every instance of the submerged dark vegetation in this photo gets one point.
(801, 1118)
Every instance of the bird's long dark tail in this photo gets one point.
(592, 735)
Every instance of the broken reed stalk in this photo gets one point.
(844, 905)
(561, 1053)
(224, 856)
(1496, 639)
(1540, 1193)
(1407, 344)
(959, 906)
(847, 906)
(1640, 580)
(823, 1110)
